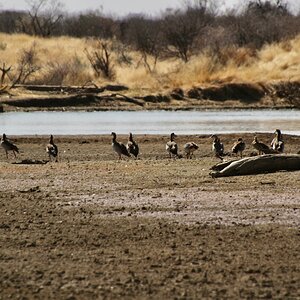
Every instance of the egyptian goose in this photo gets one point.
(277, 143)
(217, 146)
(238, 147)
(119, 148)
(8, 146)
(52, 149)
(132, 146)
(171, 146)
(189, 149)
(261, 147)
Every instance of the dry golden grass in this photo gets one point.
(63, 61)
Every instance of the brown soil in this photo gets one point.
(93, 227)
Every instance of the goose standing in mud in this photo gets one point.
(260, 147)
(277, 143)
(8, 146)
(52, 149)
(171, 146)
(217, 147)
(189, 149)
(238, 147)
(119, 148)
(132, 146)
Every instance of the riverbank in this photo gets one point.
(117, 97)
(93, 227)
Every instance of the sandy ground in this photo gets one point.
(93, 227)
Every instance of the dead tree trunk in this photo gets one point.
(256, 165)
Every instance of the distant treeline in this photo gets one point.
(175, 33)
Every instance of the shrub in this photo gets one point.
(100, 60)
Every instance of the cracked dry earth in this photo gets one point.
(92, 227)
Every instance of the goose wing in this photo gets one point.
(218, 147)
(277, 144)
(52, 149)
(191, 146)
(238, 147)
(187, 147)
(261, 147)
(172, 147)
(133, 148)
(7, 145)
(280, 146)
(123, 150)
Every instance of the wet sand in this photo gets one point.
(93, 227)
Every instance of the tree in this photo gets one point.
(145, 36)
(92, 24)
(43, 17)
(183, 27)
(264, 22)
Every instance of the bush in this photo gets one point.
(100, 60)
(73, 72)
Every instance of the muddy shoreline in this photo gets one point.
(93, 227)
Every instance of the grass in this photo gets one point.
(62, 60)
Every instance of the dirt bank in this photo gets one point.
(115, 97)
(92, 227)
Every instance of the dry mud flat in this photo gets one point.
(91, 227)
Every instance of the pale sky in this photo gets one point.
(124, 7)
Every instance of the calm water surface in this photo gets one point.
(149, 122)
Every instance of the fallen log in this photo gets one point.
(268, 163)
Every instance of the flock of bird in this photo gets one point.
(51, 148)
(132, 148)
(276, 146)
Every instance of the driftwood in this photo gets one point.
(256, 165)
(73, 89)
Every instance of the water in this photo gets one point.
(149, 122)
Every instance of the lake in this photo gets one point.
(149, 122)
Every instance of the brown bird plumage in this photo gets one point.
(217, 147)
(52, 149)
(277, 143)
(189, 149)
(238, 147)
(260, 147)
(132, 146)
(119, 148)
(171, 146)
(8, 146)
